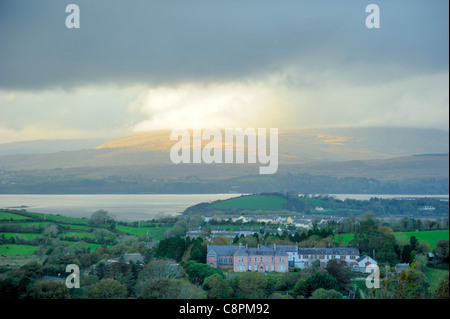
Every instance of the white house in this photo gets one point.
(365, 261)
(305, 257)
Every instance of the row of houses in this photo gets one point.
(278, 258)
(215, 232)
(274, 220)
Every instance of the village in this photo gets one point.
(248, 225)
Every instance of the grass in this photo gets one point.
(154, 232)
(315, 201)
(434, 276)
(431, 236)
(26, 236)
(91, 246)
(11, 216)
(59, 218)
(252, 202)
(12, 250)
(79, 235)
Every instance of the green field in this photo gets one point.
(59, 218)
(12, 250)
(11, 216)
(434, 276)
(27, 236)
(157, 233)
(253, 202)
(431, 237)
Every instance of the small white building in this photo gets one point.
(365, 261)
(305, 257)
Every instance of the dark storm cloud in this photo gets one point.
(168, 42)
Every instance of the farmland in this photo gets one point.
(253, 202)
(23, 233)
(431, 237)
(322, 205)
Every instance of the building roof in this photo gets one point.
(263, 250)
(328, 251)
(278, 250)
(362, 258)
(222, 250)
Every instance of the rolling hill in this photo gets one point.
(135, 161)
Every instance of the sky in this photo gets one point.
(140, 65)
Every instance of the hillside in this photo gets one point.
(329, 160)
(296, 146)
(282, 203)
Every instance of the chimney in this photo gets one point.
(274, 246)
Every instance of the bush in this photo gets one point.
(322, 293)
(320, 279)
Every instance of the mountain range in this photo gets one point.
(384, 154)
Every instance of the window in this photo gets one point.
(267, 267)
(250, 267)
(272, 267)
(352, 257)
(272, 259)
(260, 259)
(333, 257)
(281, 267)
(267, 259)
(342, 257)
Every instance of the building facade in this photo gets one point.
(243, 258)
(279, 258)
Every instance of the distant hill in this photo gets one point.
(296, 146)
(48, 146)
(315, 160)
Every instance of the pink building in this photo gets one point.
(279, 258)
(242, 258)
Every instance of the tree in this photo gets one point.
(104, 236)
(198, 252)
(320, 279)
(166, 288)
(339, 270)
(322, 293)
(122, 272)
(217, 287)
(172, 248)
(179, 228)
(388, 253)
(108, 288)
(408, 284)
(253, 285)
(101, 217)
(197, 272)
(49, 290)
(288, 280)
(162, 268)
(369, 237)
(442, 290)
(441, 251)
